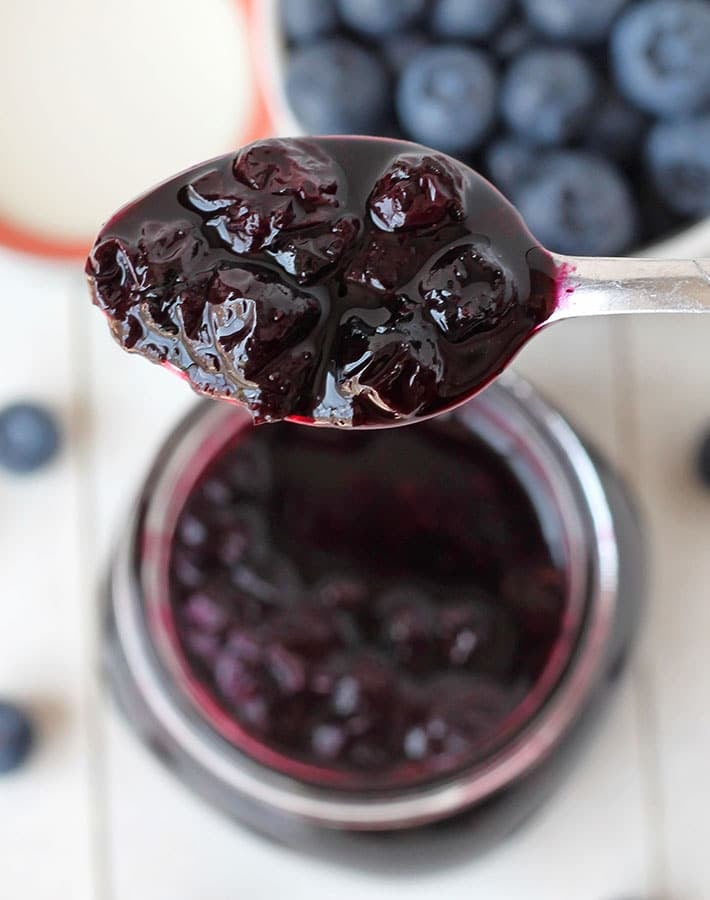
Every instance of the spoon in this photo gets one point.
(348, 281)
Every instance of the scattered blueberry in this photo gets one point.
(337, 87)
(29, 437)
(508, 162)
(616, 129)
(678, 156)
(446, 98)
(659, 53)
(16, 736)
(547, 95)
(380, 18)
(305, 20)
(579, 203)
(469, 19)
(577, 21)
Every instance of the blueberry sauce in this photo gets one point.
(344, 281)
(348, 612)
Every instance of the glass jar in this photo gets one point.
(584, 511)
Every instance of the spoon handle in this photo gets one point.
(590, 286)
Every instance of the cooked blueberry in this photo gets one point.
(477, 635)
(188, 568)
(416, 192)
(659, 53)
(29, 437)
(205, 612)
(304, 20)
(446, 98)
(678, 156)
(576, 21)
(387, 366)
(616, 129)
(407, 625)
(337, 87)
(471, 20)
(547, 95)
(468, 291)
(380, 18)
(16, 737)
(192, 531)
(385, 262)
(364, 692)
(509, 162)
(399, 49)
(578, 203)
(311, 255)
(344, 593)
(328, 741)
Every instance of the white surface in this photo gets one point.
(95, 818)
(95, 102)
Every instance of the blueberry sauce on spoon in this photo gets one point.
(342, 281)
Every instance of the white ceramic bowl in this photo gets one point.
(688, 243)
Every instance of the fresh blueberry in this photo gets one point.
(579, 203)
(380, 18)
(578, 21)
(508, 163)
(446, 98)
(678, 155)
(336, 87)
(548, 94)
(304, 20)
(29, 437)
(616, 129)
(401, 48)
(659, 54)
(469, 19)
(16, 736)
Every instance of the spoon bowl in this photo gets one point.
(348, 281)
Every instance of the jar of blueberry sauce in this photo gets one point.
(360, 642)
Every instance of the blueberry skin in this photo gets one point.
(305, 20)
(16, 738)
(678, 159)
(469, 19)
(660, 56)
(576, 21)
(509, 162)
(380, 18)
(336, 87)
(548, 94)
(29, 437)
(579, 203)
(447, 98)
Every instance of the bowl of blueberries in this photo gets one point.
(591, 116)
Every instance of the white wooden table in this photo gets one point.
(94, 817)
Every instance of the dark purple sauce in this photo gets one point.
(369, 608)
(349, 281)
